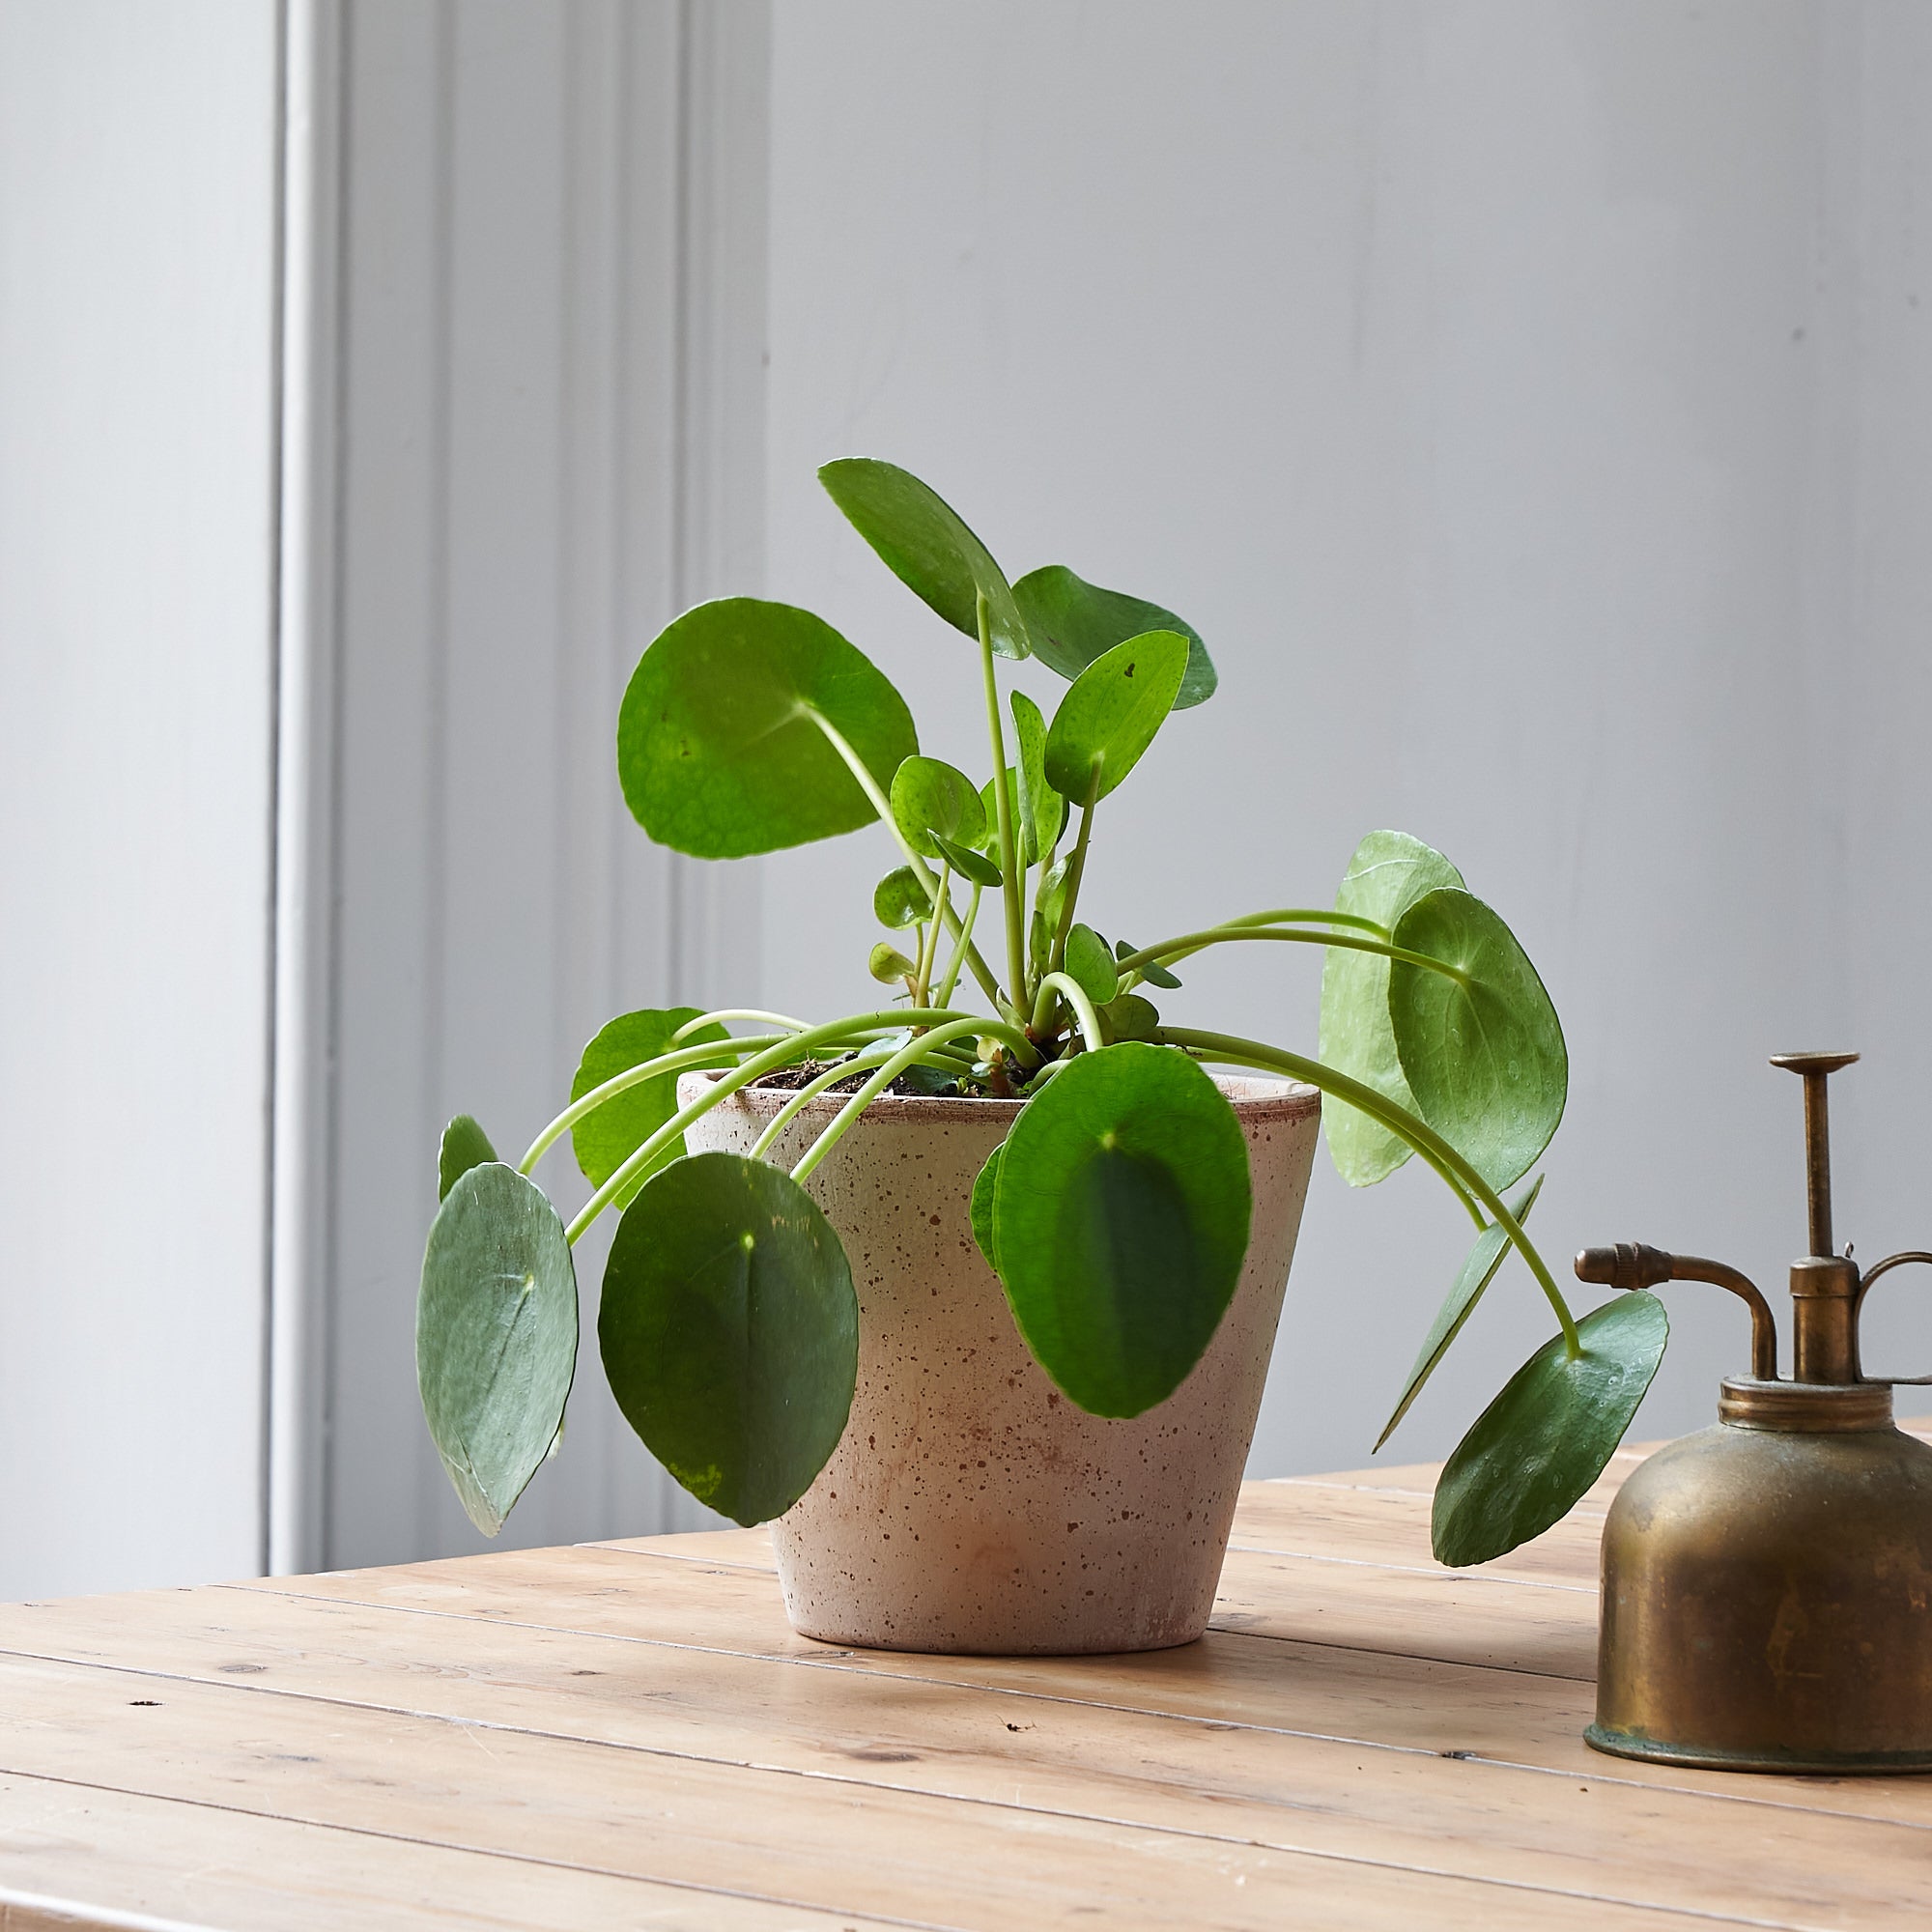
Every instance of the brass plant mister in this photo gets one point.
(1767, 1583)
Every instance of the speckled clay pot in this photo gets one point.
(970, 1506)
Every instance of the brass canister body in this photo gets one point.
(1767, 1590)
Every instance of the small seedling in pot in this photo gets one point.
(1115, 1213)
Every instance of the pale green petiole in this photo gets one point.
(1220, 935)
(883, 805)
(958, 959)
(1011, 884)
(1077, 870)
(708, 1053)
(840, 1069)
(1075, 994)
(908, 1055)
(725, 1016)
(846, 1032)
(1406, 1126)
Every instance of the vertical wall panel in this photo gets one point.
(519, 206)
(138, 178)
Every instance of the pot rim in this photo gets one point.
(1256, 1098)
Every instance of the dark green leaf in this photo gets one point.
(974, 867)
(887, 963)
(1479, 1268)
(1483, 1051)
(1040, 809)
(717, 749)
(1131, 1017)
(981, 1210)
(495, 1336)
(608, 1136)
(926, 544)
(1543, 1441)
(1073, 621)
(931, 796)
(1120, 1219)
(730, 1331)
(1153, 972)
(900, 900)
(1091, 965)
(1388, 873)
(1110, 714)
(464, 1144)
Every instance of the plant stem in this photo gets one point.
(1056, 958)
(914, 1050)
(708, 1053)
(1405, 1126)
(1219, 935)
(725, 1015)
(882, 805)
(1075, 994)
(1310, 916)
(928, 948)
(840, 1069)
(1011, 883)
(958, 958)
(853, 1030)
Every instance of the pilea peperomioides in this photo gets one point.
(1115, 1213)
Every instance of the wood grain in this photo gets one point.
(631, 1733)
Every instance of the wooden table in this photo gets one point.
(628, 1734)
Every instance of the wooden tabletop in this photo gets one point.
(628, 1734)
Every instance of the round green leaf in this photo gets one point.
(1131, 1017)
(900, 900)
(464, 1144)
(716, 748)
(1479, 1268)
(495, 1336)
(730, 1331)
(981, 1208)
(1040, 809)
(1091, 965)
(926, 544)
(1120, 1220)
(608, 1136)
(928, 796)
(1546, 1438)
(1483, 1052)
(1388, 873)
(887, 963)
(1110, 714)
(972, 866)
(1071, 622)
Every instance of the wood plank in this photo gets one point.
(1518, 1621)
(1335, 1796)
(74, 1855)
(1226, 1681)
(984, 1866)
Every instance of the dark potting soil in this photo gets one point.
(915, 1081)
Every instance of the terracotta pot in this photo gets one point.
(970, 1506)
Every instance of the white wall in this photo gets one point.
(1528, 401)
(1475, 378)
(139, 150)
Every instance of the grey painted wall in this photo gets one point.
(1530, 401)
(1524, 402)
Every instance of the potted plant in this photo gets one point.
(1069, 1239)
